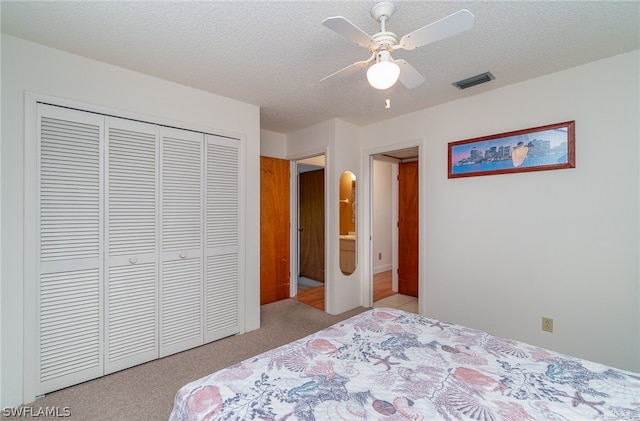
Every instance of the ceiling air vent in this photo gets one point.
(474, 80)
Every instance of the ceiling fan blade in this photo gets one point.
(352, 68)
(409, 76)
(344, 27)
(453, 24)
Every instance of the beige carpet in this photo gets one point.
(146, 392)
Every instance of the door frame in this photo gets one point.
(367, 225)
(295, 238)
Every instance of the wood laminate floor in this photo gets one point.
(314, 297)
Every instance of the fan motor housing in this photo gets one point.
(381, 39)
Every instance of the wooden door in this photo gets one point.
(274, 229)
(311, 226)
(408, 228)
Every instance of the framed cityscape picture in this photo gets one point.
(550, 147)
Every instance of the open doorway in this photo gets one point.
(395, 226)
(310, 232)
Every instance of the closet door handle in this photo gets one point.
(183, 255)
(133, 260)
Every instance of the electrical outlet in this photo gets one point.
(547, 324)
(380, 256)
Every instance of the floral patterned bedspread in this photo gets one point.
(386, 364)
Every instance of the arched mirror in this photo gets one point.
(347, 222)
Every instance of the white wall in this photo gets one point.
(347, 291)
(32, 67)
(382, 215)
(273, 144)
(340, 142)
(502, 251)
(311, 141)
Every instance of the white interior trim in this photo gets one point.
(367, 223)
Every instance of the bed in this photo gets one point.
(387, 364)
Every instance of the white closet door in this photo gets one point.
(132, 243)
(222, 236)
(181, 325)
(70, 247)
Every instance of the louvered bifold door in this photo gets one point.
(182, 187)
(222, 237)
(70, 247)
(131, 290)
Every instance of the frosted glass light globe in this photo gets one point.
(383, 74)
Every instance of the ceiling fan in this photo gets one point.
(386, 71)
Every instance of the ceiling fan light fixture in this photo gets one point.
(383, 74)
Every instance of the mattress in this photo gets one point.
(387, 364)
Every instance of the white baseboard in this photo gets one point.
(382, 268)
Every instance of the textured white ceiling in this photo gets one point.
(274, 53)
